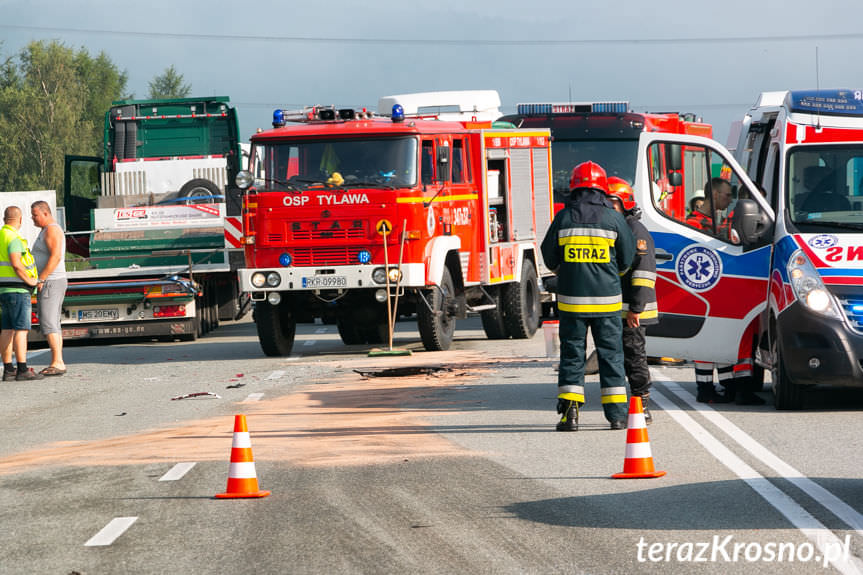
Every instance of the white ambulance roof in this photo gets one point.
(770, 99)
(448, 105)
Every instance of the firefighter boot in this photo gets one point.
(707, 394)
(648, 418)
(569, 415)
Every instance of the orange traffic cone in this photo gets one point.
(242, 481)
(638, 463)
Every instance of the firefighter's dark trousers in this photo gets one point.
(608, 339)
(635, 360)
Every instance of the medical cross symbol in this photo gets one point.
(699, 268)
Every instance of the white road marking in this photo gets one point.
(309, 342)
(177, 472)
(276, 374)
(813, 529)
(38, 352)
(111, 531)
(253, 397)
(833, 504)
(321, 330)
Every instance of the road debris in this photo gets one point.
(198, 394)
(405, 371)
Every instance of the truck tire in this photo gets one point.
(276, 328)
(377, 331)
(521, 303)
(437, 325)
(493, 323)
(349, 331)
(786, 395)
(204, 190)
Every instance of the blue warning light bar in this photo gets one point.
(550, 109)
(829, 102)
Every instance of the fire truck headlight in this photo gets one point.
(244, 179)
(381, 295)
(808, 287)
(379, 276)
(259, 279)
(273, 279)
(395, 275)
(274, 298)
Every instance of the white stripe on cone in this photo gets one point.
(636, 421)
(242, 470)
(242, 439)
(635, 451)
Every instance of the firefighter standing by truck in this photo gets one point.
(639, 293)
(589, 246)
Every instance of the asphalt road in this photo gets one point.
(454, 470)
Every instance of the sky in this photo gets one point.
(708, 58)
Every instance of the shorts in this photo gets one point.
(49, 304)
(16, 311)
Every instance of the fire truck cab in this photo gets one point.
(346, 211)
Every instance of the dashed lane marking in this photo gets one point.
(110, 532)
(309, 342)
(254, 397)
(178, 471)
(814, 530)
(276, 374)
(321, 330)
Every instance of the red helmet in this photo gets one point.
(588, 175)
(618, 188)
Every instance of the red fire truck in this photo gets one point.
(607, 133)
(345, 210)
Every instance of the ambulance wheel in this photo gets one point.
(200, 191)
(276, 328)
(492, 319)
(786, 395)
(437, 325)
(349, 331)
(521, 303)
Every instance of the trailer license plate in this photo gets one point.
(325, 282)
(97, 314)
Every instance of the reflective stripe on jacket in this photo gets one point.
(639, 283)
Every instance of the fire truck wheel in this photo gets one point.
(276, 328)
(200, 191)
(786, 395)
(493, 322)
(349, 331)
(437, 325)
(376, 331)
(521, 303)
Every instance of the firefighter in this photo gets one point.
(638, 286)
(589, 246)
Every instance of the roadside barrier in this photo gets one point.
(638, 463)
(242, 480)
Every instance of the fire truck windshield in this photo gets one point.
(359, 162)
(617, 157)
(825, 186)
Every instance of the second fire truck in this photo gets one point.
(347, 210)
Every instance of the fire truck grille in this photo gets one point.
(852, 307)
(329, 256)
(339, 234)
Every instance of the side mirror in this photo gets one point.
(750, 223)
(443, 163)
(675, 179)
(674, 157)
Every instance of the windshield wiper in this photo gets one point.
(287, 185)
(366, 184)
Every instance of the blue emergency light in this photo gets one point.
(398, 113)
(839, 102)
(278, 118)
(285, 259)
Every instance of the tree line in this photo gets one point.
(53, 100)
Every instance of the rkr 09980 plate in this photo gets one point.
(325, 281)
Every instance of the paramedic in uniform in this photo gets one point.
(639, 293)
(589, 246)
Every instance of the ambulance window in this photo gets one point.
(458, 175)
(428, 162)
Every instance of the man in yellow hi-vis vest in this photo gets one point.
(18, 277)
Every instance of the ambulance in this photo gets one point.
(804, 150)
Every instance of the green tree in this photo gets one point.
(52, 103)
(169, 85)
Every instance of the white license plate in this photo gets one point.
(325, 282)
(97, 314)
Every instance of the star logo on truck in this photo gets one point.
(699, 268)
